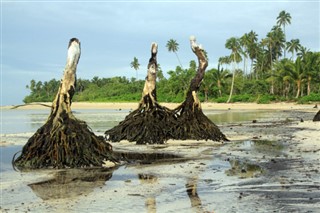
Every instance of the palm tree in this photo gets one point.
(269, 43)
(293, 46)
(297, 75)
(207, 83)
(260, 65)
(173, 46)
(219, 75)
(135, 65)
(278, 37)
(245, 43)
(224, 60)
(283, 19)
(283, 74)
(274, 42)
(302, 51)
(253, 48)
(234, 45)
(311, 65)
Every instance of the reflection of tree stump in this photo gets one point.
(71, 183)
(317, 116)
(192, 192)
(64, 141)
(147, 124)
(192, 123)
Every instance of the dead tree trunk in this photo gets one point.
(192, 123)
(64, 141)
(147, 124)
(317, 116)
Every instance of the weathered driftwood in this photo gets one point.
(148, 123)
(64, 141)
(28, 104)
(317, 116)
(192, 123)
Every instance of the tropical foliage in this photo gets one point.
(257, 70)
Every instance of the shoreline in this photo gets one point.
(205, 106)
(269, 161)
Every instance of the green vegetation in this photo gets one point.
(255, 71)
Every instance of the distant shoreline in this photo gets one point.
(205, 106)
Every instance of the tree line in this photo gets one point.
(265, 70)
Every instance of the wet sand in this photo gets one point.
(270, 165)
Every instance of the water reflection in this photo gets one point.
(232, 116)
(191, 188)
(151, 205)
(148, 158)
(71, 183)
(150, 202)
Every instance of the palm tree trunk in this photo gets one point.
(298, 88)
(271, 66)
(233, 74)
(287, 89)
(206, 95)
(178, 60)
(251, 68)
(219, 86)
(309, 85)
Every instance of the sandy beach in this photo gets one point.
(218, 106)
(271, 165)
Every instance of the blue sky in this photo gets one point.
(35, 34)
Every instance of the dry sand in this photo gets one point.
(218, 106)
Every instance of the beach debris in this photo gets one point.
(32, 104)
(317, 116)
(65, 141)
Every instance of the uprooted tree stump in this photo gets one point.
(317, 116)
(152, 123)
(148, 123)
(192, 123)
(64, 141)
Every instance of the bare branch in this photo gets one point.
(32, 104)
(199, 52)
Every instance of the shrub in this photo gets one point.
(221, 99)
(313, 97)
(266, 99)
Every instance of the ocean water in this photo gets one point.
(26, 121)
